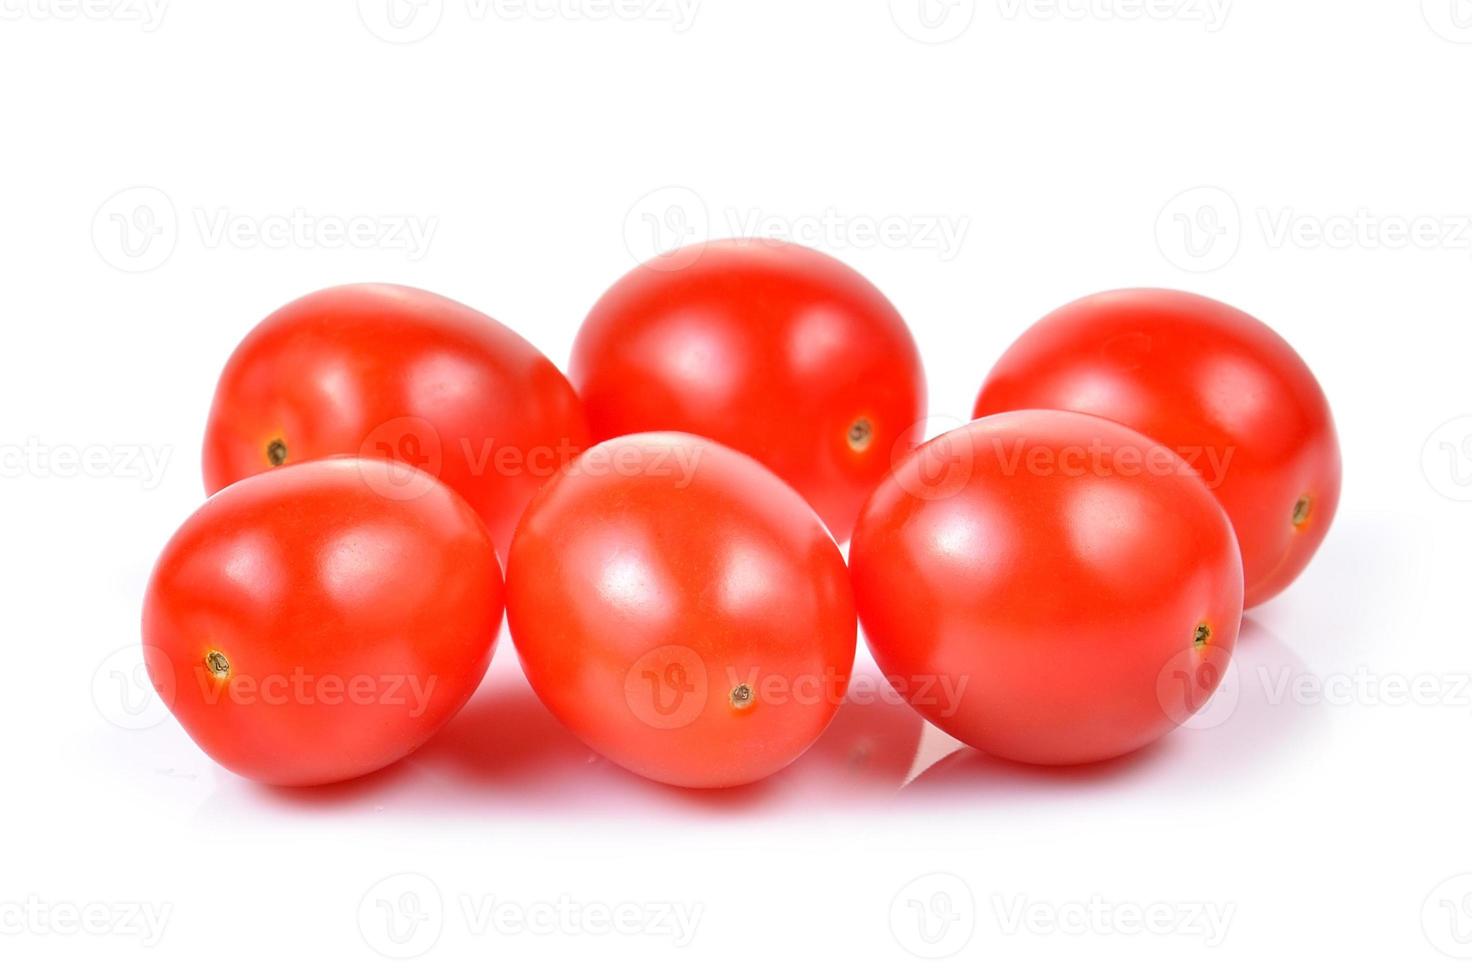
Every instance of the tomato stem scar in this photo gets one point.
(1202, 636)
(276, 452)
(742, 696)
(1302, 509)
(860, 435)
(218, 664)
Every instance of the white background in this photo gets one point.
(1316, 817)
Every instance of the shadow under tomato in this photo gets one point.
(510, 747)
(968, 767)
(505, 751)
(347, 795)
(1246, 728)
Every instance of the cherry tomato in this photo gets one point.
(1049, 587)
(321, 621)
(1209, 381)
(681, 610)
(773, 349)
(393, 372)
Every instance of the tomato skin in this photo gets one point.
(1207, 380)
(771, 348)
(1048, 603)
(356, 602)
(395, 372)
(654, 578)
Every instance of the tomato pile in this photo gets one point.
(1060, 581)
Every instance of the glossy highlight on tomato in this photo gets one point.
(1213, 383)
(396, 373)
(321, 621)
(1048, 587)
(771, 348)
(681, 610)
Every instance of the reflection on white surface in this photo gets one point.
(506, 754)
(1245, 731)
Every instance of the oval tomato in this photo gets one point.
(321, 621)
(394, 372)
(1048, 587)
(773, 349)
(681, 610)
(1212, 383)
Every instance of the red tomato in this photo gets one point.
(1048, 587)
(770, 348)
(1209, 381)
(399, 373)
(681, 610)
(319, 622)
